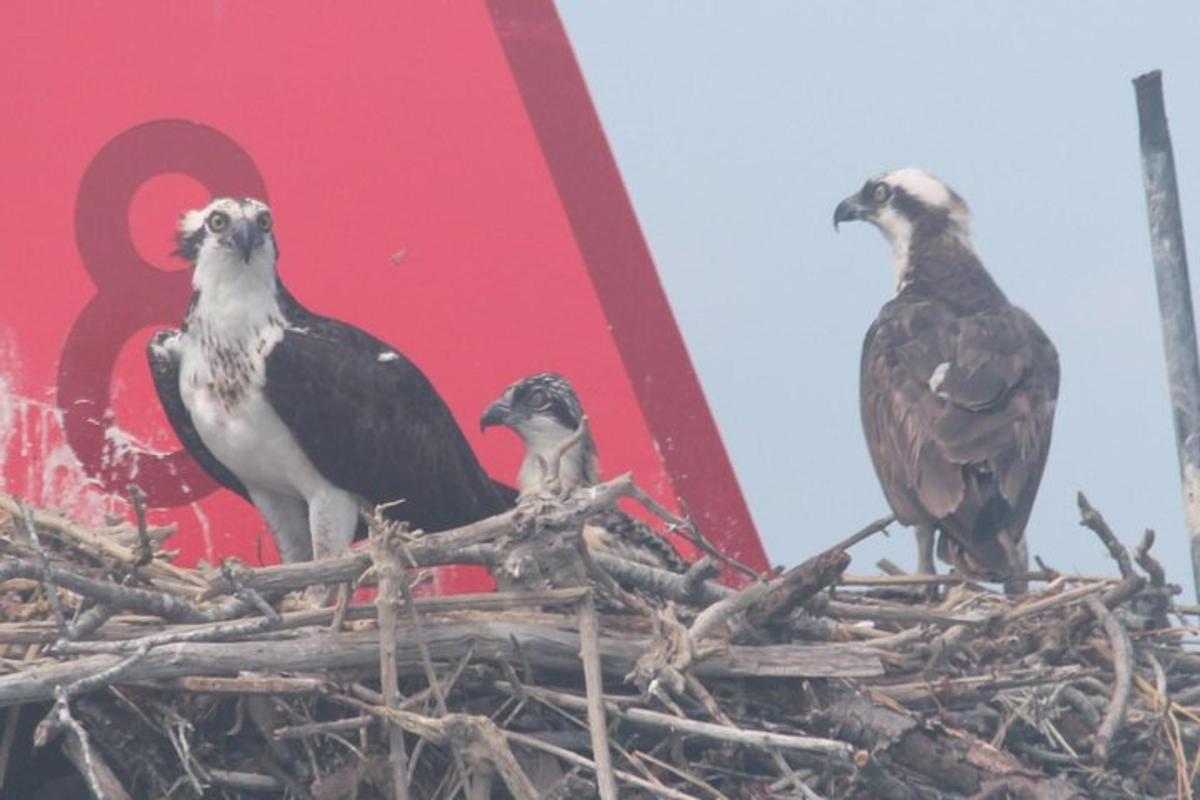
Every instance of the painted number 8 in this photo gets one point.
(132, 294)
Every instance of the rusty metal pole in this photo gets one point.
(1174, 295)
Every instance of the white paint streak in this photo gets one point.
(37, 463)
(390, 355)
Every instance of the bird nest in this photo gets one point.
(584, 676)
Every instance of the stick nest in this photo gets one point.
(124, 675)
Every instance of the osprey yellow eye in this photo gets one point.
(882, 192)
(218, 221)
(264, 221)
(538, 399)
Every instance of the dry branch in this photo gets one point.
(810, 683)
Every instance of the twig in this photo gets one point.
(93, 541)
(687, 527)
(578, 760)
(99, 777)
(315, 728)
(589, 652)
(246, 781)
(145, 549)
(247, 595)
(1092, 519)
(1122, 652)
(391, 577)
(89, 763)
(711, 618)
(682, 775)
(127, 598)
(51, 588)
(1148, 562)
(708, 730)
(796, 586)
(687, 588)
(477, 738)
(867, 531)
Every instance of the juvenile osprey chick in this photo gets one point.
(308, 418)
(958, 386)
(544, 411)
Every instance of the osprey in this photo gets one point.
(958, 386)
(308, 418)
(544, 411)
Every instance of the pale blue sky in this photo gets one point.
(738, 127)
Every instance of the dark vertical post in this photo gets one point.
(1174, 295)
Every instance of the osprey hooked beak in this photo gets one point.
(498, 413)
(848, 210)
(246, 236)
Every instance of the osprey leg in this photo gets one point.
(925, 536)
(287, 519)
(332, 519)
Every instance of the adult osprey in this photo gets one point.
(958, 385)
(308, 418)
(544, 411)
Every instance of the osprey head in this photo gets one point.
(905, 200)
(540, 407)
(233, 229)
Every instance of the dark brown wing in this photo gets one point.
(958, 412)
(376, 426)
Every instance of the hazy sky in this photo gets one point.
(738, 128)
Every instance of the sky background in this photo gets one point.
(738, 128)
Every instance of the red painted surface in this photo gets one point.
(438, 176)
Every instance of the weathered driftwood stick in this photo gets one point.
(159, 604)
(918, 691)
(391, 573)
(102, 542)
(316, 728)
(866, 532)
(711, 618)
(686, 588)
(494, 639)
(1122, 652)
(904, 579)
(797, 585)
(690, 531)
(123, 637)
(893, 613)
(956, 763)
(49, 586)
(91, 765)
(244, 684)
(425, 550)
(707, 730)
(99, 777)
(593, 681)
(579, 761)
(476, 738)
(1090, 518)
(1147, 562)
(245, 781)
(1053, 601)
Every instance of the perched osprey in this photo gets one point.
(544, 411)
(308, 418)
(958, 385)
